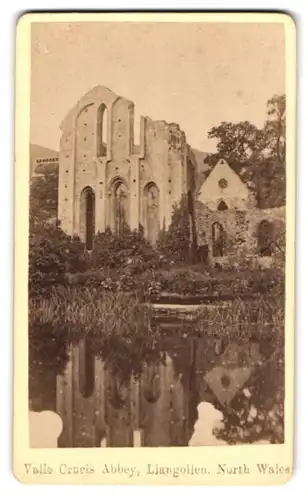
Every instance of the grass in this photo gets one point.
(118, 324)
(257, 320)
(120, 320)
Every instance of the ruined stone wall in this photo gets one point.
(240, 234)
(159, 165)
(80, 162)
(164, 163)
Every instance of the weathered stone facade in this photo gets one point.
(231, 230)
(223, 189)
(234, 237)
(105, 180)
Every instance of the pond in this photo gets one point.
(104, 400)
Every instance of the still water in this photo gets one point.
(109, 401)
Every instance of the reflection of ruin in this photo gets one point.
(160, 407)
(97, 408)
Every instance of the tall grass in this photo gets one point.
(123, 330)
(118, 324)
(256, 320)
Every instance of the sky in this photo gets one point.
(194, 74)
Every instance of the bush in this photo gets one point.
(128, 249)
(52, 254)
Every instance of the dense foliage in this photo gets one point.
(52, 254)
(175, 242)
(243, 142)
(127, 250)
(256, 155)
(44, 197)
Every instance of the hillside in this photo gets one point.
(37, 152)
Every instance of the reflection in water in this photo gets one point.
(151, 382)
(158, 403)
(156, 408)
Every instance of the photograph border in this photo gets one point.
(171, 457)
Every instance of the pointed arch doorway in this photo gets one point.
(87, 217)
(119, 206)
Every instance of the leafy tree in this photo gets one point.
(275, 128)
(256, 155)
(243, 142)
(237, 142)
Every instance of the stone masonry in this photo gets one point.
(106, 180)
(137, 185)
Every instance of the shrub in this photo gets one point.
(52, 254)
(121, 250)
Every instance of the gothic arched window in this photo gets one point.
(102, 130)
(265, 238)
(218, 240)
(119, 206)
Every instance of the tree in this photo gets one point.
(243, 142)
(275, 128)
(256, 155)
(238, 142)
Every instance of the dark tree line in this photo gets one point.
(257, 154)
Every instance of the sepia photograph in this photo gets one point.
(154, 248)
(157, 234)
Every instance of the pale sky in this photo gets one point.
(196, 75)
